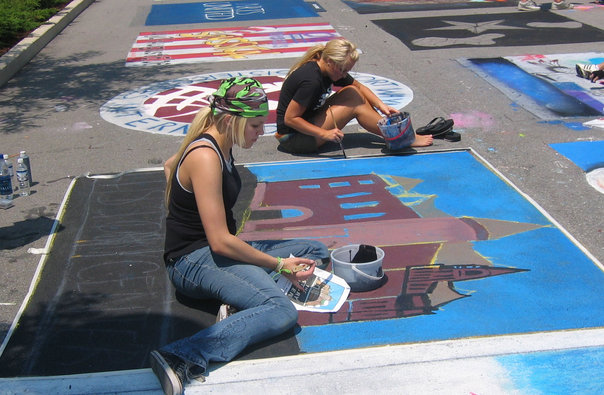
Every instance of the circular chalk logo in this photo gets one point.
(168, 107)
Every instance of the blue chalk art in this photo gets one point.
(559, 289)
(227, 11)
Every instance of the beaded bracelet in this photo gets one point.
(280, 268)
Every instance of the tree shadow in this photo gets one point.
(48, 85)
(24, 232)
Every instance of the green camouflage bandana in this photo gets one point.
(240, 96)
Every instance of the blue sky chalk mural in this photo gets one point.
(227, 11)
(463, 258)
(545, 85)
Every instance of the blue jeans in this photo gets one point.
(263, 309)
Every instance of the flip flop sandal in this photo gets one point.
(436, 127)
(451, 136)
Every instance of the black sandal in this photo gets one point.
(437, 127)
(451, 136)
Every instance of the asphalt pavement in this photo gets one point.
(52, 109)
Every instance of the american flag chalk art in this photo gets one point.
(225, 44)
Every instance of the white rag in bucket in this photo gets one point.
(397, 130)
(362, 276)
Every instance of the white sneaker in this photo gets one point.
(585, 70)
(528, 5)
(563, 5)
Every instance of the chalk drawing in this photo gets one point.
(578, 126)
(546, 85)
(477, 41)
(373, 6)
(586, 7)
(428, 232)
(386, 211)
(168, 107)
(588, 155)
(481, 29)
(111, 278)
(473, 119)
(227, 11)
(554, 372)
(595, 123)
(458, 265)
(81, 126)
(226, 44)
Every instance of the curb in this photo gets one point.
(14, 60)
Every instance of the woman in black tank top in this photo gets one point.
(204, 257)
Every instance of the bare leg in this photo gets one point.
(348, 104)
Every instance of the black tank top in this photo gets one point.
(184, 229)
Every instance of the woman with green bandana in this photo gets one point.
(205, 259)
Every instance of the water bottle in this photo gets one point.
(6, 185)
(22, 178)
(25, 157)
(11, 170)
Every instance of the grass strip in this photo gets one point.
(20, 17)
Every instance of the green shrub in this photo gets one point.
(18, 17)
(51, 3)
